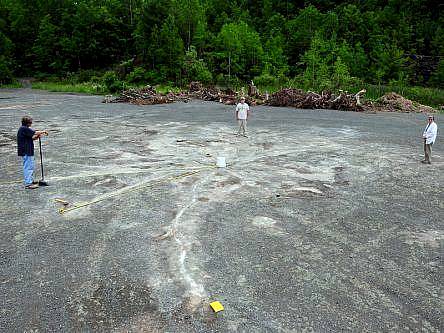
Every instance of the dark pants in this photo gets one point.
(427, 151)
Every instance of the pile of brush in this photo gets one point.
(287, 97)
(144, 96)
(310, 100)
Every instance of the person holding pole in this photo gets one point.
(25, 146)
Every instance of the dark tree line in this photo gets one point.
(318, 42)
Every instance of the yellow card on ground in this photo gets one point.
(216, 306)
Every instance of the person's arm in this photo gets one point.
(236, 113)
(433, 130)
(429, 133)
(426, 133)
(39, 134)
(248, 112)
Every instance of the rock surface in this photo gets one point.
(323, 221)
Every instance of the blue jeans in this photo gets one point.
(28, 169)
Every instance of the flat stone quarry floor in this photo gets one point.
(323, 221)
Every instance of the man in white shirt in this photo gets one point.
(242, 113)
(429, 137)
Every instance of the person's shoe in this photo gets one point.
(423, 161)
(35, 182)
(32, 186)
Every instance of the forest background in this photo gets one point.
(102, 46)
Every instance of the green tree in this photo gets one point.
(438, 41)
(6, 72)
(46, 47)
(355, 59)
(221, 12)
(352, 24)
(21, 31)
(195, 69)
(239, 50)
(374, 37)
(201, 37)
(300, 31)
(275, 59)
(437, 78)
(341, 75)
(152, 15)
(170, 51)
(388, 63)
(6, 48)
(316, 75)
(189, 14)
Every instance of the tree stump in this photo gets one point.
(252, 89)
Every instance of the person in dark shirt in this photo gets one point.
(25, 147)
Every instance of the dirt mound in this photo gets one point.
(394, 102)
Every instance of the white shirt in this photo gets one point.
(430, 133)
(242, 110)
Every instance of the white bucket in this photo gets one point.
(220, 162)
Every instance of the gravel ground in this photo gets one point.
(323, 220)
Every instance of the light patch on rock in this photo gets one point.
(431, 238)
(268, 225)
(308, 189)
(264, 222)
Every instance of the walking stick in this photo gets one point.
(42, 181)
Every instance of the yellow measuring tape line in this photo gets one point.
(11, 182)
(129, 190)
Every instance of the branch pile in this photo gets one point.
(287, 97)
(227, 96)
(310, 100)
(144, 96)
(149, 96)
(198, 91)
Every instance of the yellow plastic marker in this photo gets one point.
(217, 306)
